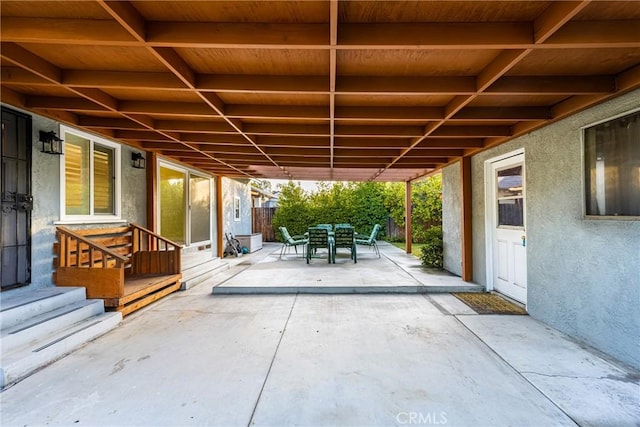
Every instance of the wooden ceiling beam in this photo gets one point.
(63, 103)
(551, 30)
(234, 35)
(262, 83)
(595, 34)
(127, 16)
(189, 126)
(438, 143)
(123, 80)
(109, 123)
(389, 113)
(65, 31)
(471, 131)
(186, 109)
(368, 85)
(383, 131)
(277, 112)
(436, 35)
(298, 141)
(366, 143)
(209, 138)
(30, 62)
(502, 113)
(552, 85)
(286, 129)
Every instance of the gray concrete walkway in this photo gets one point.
(325, 360)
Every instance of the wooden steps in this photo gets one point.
(128, 267)
(140, 291)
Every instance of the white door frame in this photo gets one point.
(490, 211)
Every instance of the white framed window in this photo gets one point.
(612, 168)
(236, 208)
(90, 177)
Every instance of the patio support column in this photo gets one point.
(152, 191)
(219, 217)
(466, 230)
(407, 216)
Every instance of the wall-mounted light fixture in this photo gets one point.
(51, 144)
(138, 161)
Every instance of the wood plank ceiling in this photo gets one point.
(327, 90)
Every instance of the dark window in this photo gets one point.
(612, 167)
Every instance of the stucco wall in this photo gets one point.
(45, 173)
(583, 275)
(236, 188)
(451, 213)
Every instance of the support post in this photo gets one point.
(219, 217)
(466, 234)
(407, 216)
(152, 191)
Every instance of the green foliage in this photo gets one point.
(426, 201)
(432, 253)
(361, 204)
(293, 210)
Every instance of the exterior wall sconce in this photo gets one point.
(138, 161)
(51, 144)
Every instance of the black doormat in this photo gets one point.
(486, 303)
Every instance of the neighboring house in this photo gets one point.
(236, 196)
(568, 198)
(260, 198)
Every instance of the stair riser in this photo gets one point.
(203, 269)
(32, 361)
(41, 331)
(14, 316)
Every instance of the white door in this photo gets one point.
(508, 238)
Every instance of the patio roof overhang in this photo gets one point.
(325, 90)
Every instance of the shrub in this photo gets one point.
(432, 252)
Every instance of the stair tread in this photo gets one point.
(48, 315)
(21, 298)
(202, 269)
(50, 339)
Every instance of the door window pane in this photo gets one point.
(510, 196)
(612, 167)
(172, 204)
(200, 195)
(77, 178)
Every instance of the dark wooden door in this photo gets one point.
(15, 172)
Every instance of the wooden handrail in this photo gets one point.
(157, 236)
(88, 242)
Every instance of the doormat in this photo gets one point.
(486, 303)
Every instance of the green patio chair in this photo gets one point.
(370, 240)
(291, 241)
(344, 238)
(319, 239)
(329, 227)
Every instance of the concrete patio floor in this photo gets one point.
(393, 272)
(325, 360)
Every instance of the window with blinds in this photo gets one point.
(91, 176)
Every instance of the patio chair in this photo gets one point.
(344, 238)
(329, 227)
(289, 241)
(318, 239)
(370, 241)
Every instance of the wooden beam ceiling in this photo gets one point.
(316, 90)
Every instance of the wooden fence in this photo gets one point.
(261, 222)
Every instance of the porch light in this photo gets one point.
(51, 144)
(138, 161)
